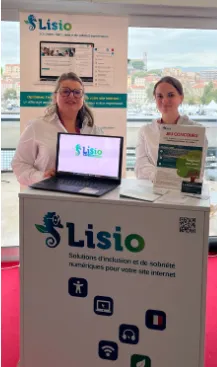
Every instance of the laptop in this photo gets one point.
(57, 57)
(103, 306)
(85, 165)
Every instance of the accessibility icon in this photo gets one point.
(78, 287)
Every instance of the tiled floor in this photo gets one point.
(10, 210)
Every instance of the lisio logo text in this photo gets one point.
(48, 25)
(105, 240)
(88, 151)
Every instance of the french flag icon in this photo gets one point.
(155, 320)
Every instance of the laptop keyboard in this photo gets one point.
(80, 183)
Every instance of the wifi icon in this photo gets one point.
(108, 350)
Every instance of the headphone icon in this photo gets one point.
(129, 334)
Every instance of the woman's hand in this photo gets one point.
(49, 173)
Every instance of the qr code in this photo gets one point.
(187, 225)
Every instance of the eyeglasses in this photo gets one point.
(65, 92)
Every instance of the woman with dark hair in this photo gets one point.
(36, 151)
(168, 94)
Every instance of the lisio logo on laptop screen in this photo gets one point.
(88, 151)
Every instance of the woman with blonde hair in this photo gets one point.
(36, 151)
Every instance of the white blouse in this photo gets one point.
(36, 150)
(147, 148)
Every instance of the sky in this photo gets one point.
(174, 47)
(165, 47)
(10, 43)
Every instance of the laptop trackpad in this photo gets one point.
(75, 188)
(88, 190)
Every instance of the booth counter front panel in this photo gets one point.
(112, 282)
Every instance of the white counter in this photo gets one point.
(110, 281)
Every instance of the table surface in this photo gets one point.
(172, 199)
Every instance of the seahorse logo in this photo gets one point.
(51, 220)
(77, 149)
(31, 21)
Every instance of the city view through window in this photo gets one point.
(10, 68)
(189, 55)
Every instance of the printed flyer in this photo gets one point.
(180, 158)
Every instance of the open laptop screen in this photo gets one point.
(92, 155)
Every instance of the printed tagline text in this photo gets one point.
(76, 35)
(122, 265)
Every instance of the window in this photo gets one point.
(10, 129)
(192, 59)
(10, 68)
(189, 55)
